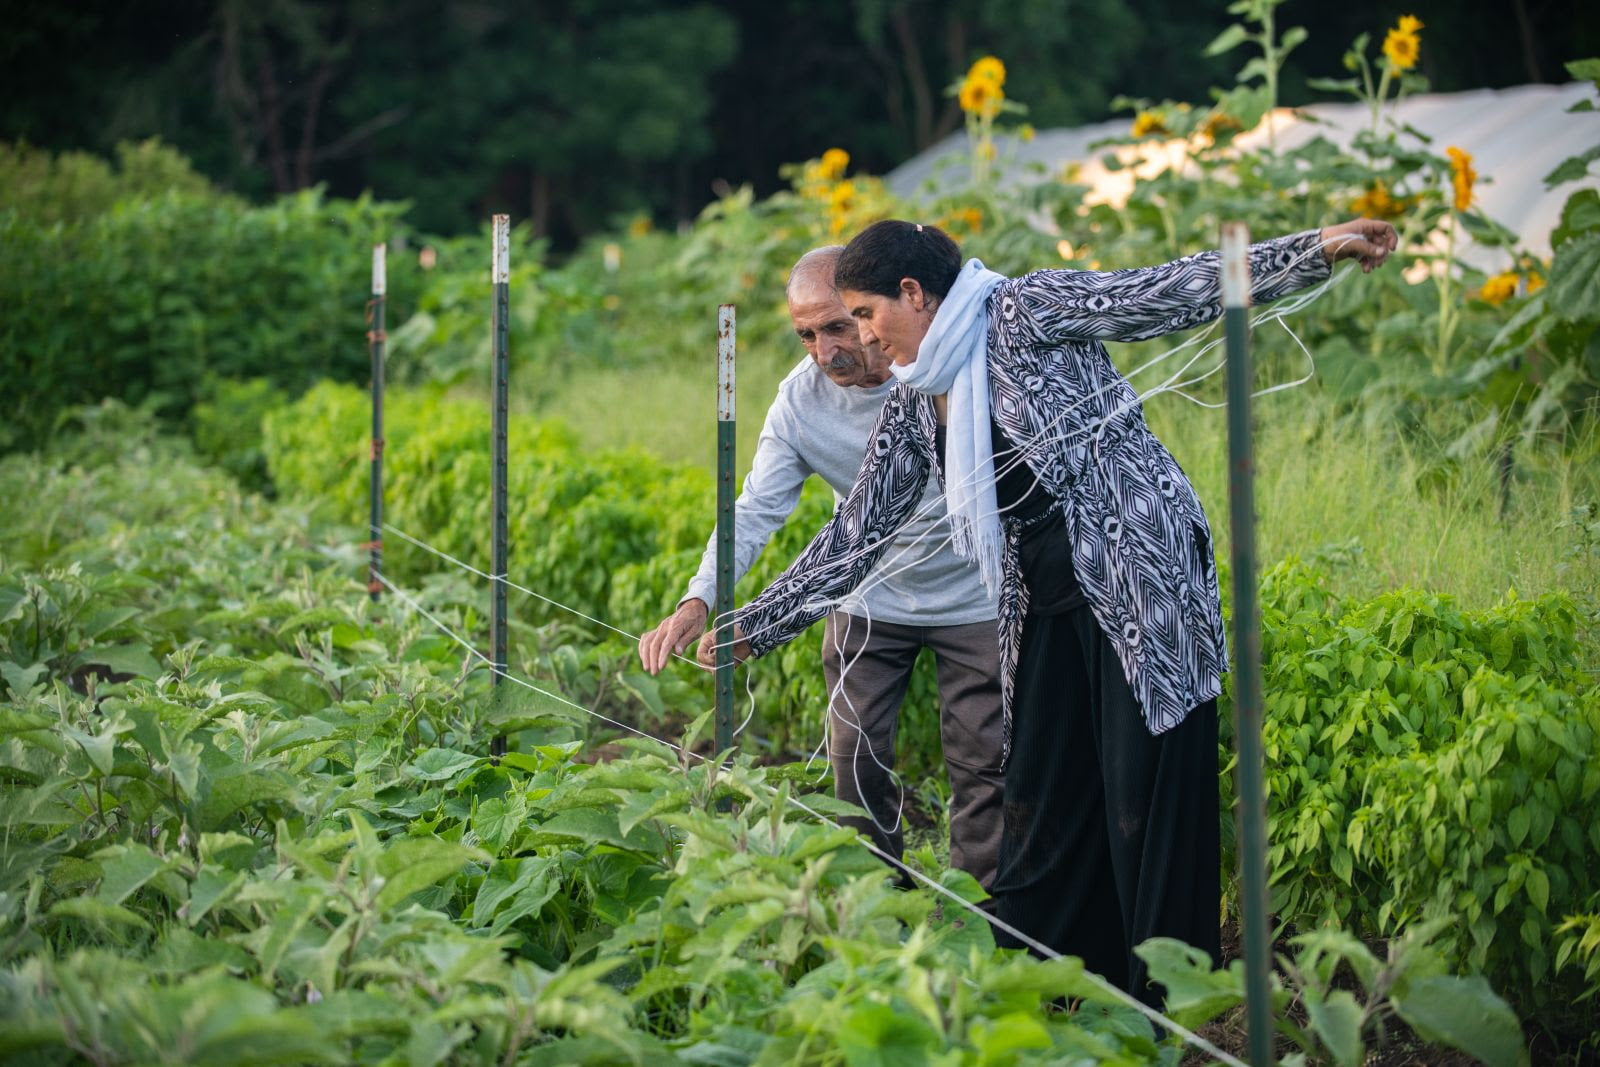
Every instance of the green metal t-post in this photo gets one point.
(1252, 810)
(726, 328)
(500, 278)
(375, 340)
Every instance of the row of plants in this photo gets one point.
(144, 283)
(248, 818)
(1424, 760)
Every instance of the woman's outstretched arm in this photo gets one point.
(1052, 306)
(894, 474)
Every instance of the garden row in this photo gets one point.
(248, 819)
(1424, 760)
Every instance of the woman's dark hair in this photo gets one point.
(887, 251)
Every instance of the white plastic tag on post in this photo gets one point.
(1235, 265)
(725, 349)
(380, 275)
(501, 272)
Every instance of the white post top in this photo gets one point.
(380, 276)
(726, 330)
(501, 271)
(1235, 265)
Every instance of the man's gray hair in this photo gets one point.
(817, 261)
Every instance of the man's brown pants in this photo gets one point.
(868, 668)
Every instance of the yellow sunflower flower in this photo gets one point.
(1401, 45)
(1218, 125)
(1148, 123)
(981, 97)
(1461, 176)
(1500, 288)
(1378, 203)
(989, 69)
(834, 162)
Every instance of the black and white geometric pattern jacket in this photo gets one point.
(1140, 544)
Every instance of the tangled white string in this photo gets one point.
(508, 583)
(997, 923)
(887, 568)
(839, 703)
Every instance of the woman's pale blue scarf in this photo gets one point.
(954, 360)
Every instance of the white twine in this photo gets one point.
(1036, 945)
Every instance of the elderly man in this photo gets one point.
(922, 597)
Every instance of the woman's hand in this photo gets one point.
(707, 652)
(1368, 240)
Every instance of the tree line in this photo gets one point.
(575, 114)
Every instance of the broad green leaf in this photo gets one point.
(16, 721)
(495, 821)
(1538, 886)
(1195, 992)
(1517, 825)
(99, 747)
(593, 826)
(1574, 290)
(1230, 38)
(97, 912)
(439, 764)
(647, 689)
(184, 763)
(1464, 1013)
(875, 1035)
(20, 679)
(414, 863)
(228, 794)
(121, 659)
(209, 888)
(1573, 167)
(125, 869)
(1337, 1021)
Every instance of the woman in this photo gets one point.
(1111, 636)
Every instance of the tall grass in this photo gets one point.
(1384, 506)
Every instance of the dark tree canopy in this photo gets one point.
(574, 113)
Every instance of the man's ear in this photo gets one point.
(912, 290)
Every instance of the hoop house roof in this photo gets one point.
(1516, 136)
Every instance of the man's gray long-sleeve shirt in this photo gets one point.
(817, 427)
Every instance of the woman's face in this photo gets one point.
(896, 324)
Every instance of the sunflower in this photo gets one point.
(1147, 123)
(1500, 288)
(1402, 44)
(1461, 176)
(988, 69)
(834, 162)
(1219, 124)
(981, 97)
(1376, 202)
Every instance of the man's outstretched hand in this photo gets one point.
(673, 635)
(1367, 240)
(707, 653)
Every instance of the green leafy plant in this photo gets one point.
(1336, 1002)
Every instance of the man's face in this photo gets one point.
(830, 335)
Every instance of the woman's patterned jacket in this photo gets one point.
(1140, 544)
